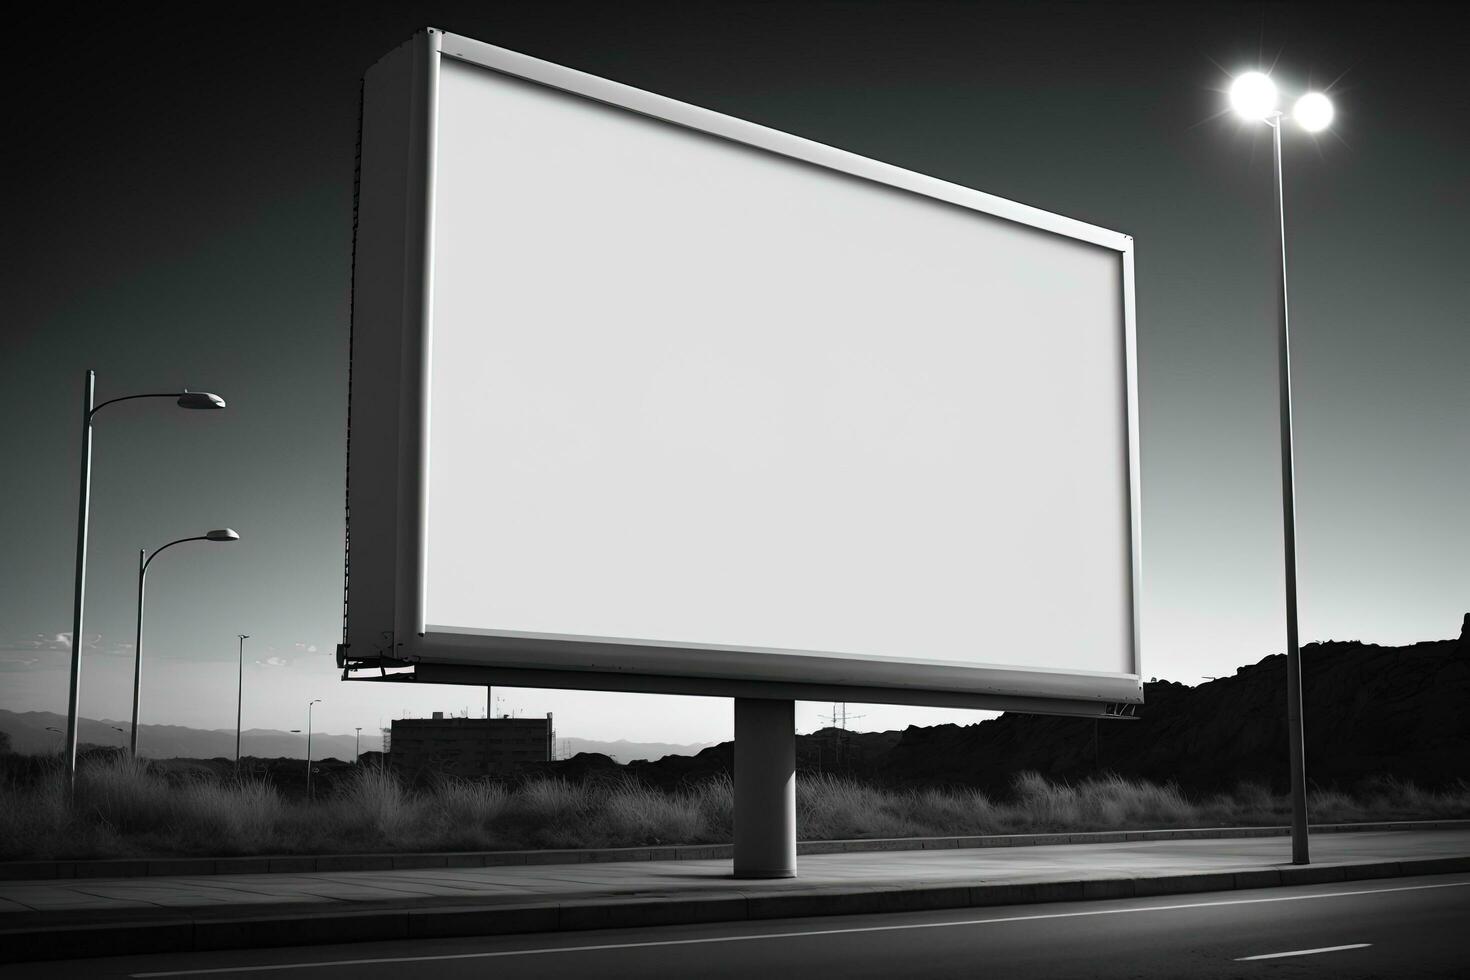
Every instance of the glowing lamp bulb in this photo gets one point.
(1313, 112)
(1253, 95)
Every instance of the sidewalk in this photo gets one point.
(58, 918)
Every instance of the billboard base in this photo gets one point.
(765, 788)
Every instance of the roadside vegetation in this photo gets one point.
(125, 808)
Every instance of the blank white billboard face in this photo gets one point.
(690, 391)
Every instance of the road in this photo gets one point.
(1404, 927)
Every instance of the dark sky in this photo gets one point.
(178, 213)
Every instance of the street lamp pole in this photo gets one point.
(144, 560)
(1296, 736)
(239, 700)
(185, 399)
(79, 587)
(1254, 97)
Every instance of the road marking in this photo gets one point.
(785, 935)
(1302, 952)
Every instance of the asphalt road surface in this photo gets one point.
(1403, 927)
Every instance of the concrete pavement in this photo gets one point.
(47, 919)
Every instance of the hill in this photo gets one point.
(1370, 711)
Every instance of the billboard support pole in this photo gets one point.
(765, 788)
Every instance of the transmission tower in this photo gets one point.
(837, 721)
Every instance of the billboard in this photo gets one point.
(646, 397)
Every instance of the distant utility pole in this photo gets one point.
(239, 699)
(308, 746)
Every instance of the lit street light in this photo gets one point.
(144, 560)
(308, 745)
(240, 699)
(1254, 96)
(184, 399)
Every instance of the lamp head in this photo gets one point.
(1313, 112)
(200, 399)
(222, 534)
(1253, 95)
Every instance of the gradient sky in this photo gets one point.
(179, 214)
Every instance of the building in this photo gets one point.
(469, 746)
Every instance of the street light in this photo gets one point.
(1254, 96)
(144, 560)
(184, 399)
(308, 745)
(1313, 112)
(239, 699)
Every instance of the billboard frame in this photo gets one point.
(389, 418)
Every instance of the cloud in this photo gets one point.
(41, 641)
(61, 643)
(274, 662)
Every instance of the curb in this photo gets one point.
(295, 929)
(307, 864)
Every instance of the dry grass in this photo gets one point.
(122, 808)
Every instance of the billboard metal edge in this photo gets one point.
(763, 137)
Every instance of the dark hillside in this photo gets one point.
(1370, 712)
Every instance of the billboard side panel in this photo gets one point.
(387, 318)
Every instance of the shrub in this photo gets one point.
(632, 814)
(465, 812)
(121, 793)
(123, 807)
(237, 817)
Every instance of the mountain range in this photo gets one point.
(30, 733)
